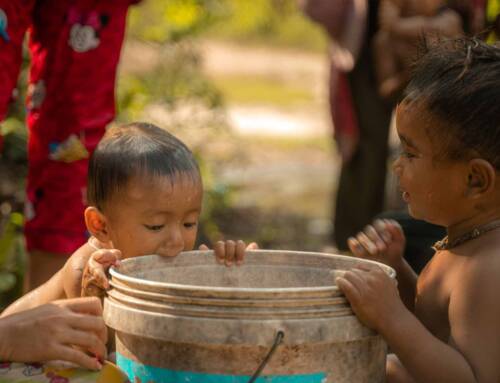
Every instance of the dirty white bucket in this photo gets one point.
(279, 318)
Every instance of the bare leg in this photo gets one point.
(395, 371)
(44, 265)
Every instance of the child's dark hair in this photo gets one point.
(135, 149)
(459, 81)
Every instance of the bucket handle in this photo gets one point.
(277, 341)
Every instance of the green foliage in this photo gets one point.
(172, 20)
(175, 78)
(270, 22)
(12, 259)
(15, 135)
(276, 22)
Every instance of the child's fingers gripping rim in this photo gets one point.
(230, 253)
(252, 246)
(106, 256)
(220, 249)
(98, 272)
(240, 252)
(349, 289)
(366, 267)
(99, 277)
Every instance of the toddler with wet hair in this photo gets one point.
(145, 194)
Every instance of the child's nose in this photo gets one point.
(175, 242)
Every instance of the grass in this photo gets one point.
(292, 144)
(248, 90)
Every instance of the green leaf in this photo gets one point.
(7, 281)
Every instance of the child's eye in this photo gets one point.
(190, 225)
(154, 227)
(406, 154)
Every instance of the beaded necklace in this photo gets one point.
(445, 244)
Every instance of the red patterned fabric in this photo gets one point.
(75, 48)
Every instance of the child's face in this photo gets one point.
(433, 188)
(155, 215)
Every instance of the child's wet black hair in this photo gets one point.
(459, 82)
(137, 149)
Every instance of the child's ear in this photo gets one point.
(96, 223)
(481, 178)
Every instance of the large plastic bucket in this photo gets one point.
(188, 319)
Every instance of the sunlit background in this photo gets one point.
(244, 84)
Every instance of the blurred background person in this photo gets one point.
(402, 25)
(360, 116)
(74, 47)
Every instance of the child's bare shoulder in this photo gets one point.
(479, 273)
(474, 312)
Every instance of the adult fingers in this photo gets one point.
(87, 341)
(240, 252)
(88, 305)
(70, 354)
(90, 324)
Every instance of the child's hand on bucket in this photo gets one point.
(229, 252)
(383, 241)
(94, 280)
(373, 296)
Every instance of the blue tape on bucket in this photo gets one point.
(147, 374)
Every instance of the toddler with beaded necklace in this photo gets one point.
(443, 326)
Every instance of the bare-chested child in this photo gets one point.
(448, 328)
(402, 24)
(145, 195)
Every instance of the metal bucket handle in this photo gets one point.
(277, 341)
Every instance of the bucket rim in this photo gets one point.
(115, 273)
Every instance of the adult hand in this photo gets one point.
(62, 330)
